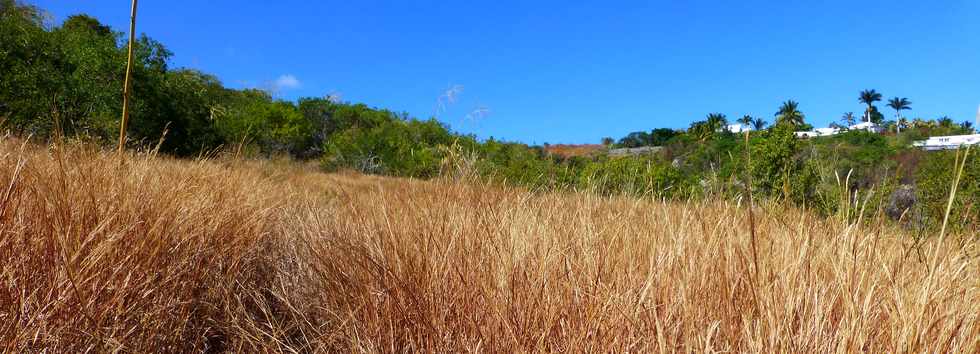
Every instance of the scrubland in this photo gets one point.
(153, 254)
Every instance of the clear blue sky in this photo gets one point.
(559, 72)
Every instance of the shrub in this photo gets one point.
(934, 180)
(632, 175)
(397, 147)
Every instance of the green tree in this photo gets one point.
(776, 169)
(759, 124)
(30, 70)
(790, 114)
(716, 121)
(945, 122)
(933, 181)
(635, 139)
(708, 128)
(91, 75)
(899, 104)
(967, 127)
(747, 121)
(869, 97)
(660, 136)
(700, 130)
(848, 119)
(396, 146)
(179, 110)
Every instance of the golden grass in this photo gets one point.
(175, 256)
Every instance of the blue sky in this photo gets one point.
(557, 72)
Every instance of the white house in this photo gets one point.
(818, 132)
(869, 126)
(947, 142)
(738, 128)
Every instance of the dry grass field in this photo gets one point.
(164, 255)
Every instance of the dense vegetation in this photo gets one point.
(65, 81)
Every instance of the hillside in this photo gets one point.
(62, 79)
(573, 150)
(157, 254)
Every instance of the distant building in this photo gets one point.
(738, 128)
(869, 126)
(947, 142)
(818, 132)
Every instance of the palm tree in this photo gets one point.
(902, 123)
(919, 123)
(716, 121)
(945, 122)
(789, 112)
(967, 126)
(869, 97)
(759, 124)
(899, 104)
(746, 120)
(701, 130)
(848, 118)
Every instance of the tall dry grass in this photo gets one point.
(166, 255)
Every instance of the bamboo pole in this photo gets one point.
(126, 84)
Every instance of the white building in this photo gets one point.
(818, 132)
(738, 128)
(869, 126)
(947, 142)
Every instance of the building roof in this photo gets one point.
(947, 142)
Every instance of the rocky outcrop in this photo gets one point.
(901, 202)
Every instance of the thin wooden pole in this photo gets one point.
(126, 84)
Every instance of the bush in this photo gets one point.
(934, 180)
(396, 147)
(632, 175)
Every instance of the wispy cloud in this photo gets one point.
(447, 98)
(286, 82)
(477, 114)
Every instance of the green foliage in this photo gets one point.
(774, 161)
(71, 77)
(863, 155)
(934, 182)
(638, 176)
(30, 70)
(706, 129)
(183, 119)
(395, 147)
(869, 97)
(656, 137)
(518, 164)
(899, 104)
(789, 113)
